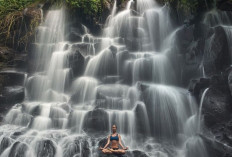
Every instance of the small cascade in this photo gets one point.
(200, 109)
(215, 19)
(53, 72)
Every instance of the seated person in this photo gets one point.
(115, 140)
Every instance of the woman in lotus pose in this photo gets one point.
(115, 140)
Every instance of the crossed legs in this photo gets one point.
(110, 151)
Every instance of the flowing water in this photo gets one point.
(217, 18)
(129, 80)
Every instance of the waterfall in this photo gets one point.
(217, 18)
(52, 65)
(127, 76)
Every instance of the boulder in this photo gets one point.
(216, 55)
(18, 150)
(216, 106)
(5, 143)
(85, 151)
(96, 121)
(45, 148)
(76, 62)
(184, 37)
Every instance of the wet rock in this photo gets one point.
(12, 95)
(104, 64)
(85, 151)
(133, 44)
(111, 103)
(142, 86)
(230, 81)
(72, 148)
(111, 79)
(76, 61)
(184, 37)
(113, 49)
(75, 146)
(35, 111)
(45, 148)
(137, 153)
(18, 150)
(134, 153)
(65, 107)
(140, 116)
(216, 56)
(74, 37)
(216, 148)
(222, 132)
(216, 106)
(196, 86)
(85, 49)
(224, 5)
(57, 112)
(102, 142)
(122, 57)
(12, 78)
(16, 134)
(111, 155)
(21, 61)
(5, 143)
(96, 121)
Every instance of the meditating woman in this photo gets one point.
(115, 140)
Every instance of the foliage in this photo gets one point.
(8, 6)
(188, 6)
(12, 18)
(89, 7)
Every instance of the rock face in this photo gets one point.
(217, 106)
(224, 5)
(12, 90)
(230, 81)
(12, 95)
(217, 56)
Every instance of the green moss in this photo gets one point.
(8, 6)
(89, 7)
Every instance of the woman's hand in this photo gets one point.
(125, 148)
(101, 148)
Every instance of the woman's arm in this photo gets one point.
(108, 142)
(120, 142)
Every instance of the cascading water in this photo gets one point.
(217, 18)
(129, 81)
